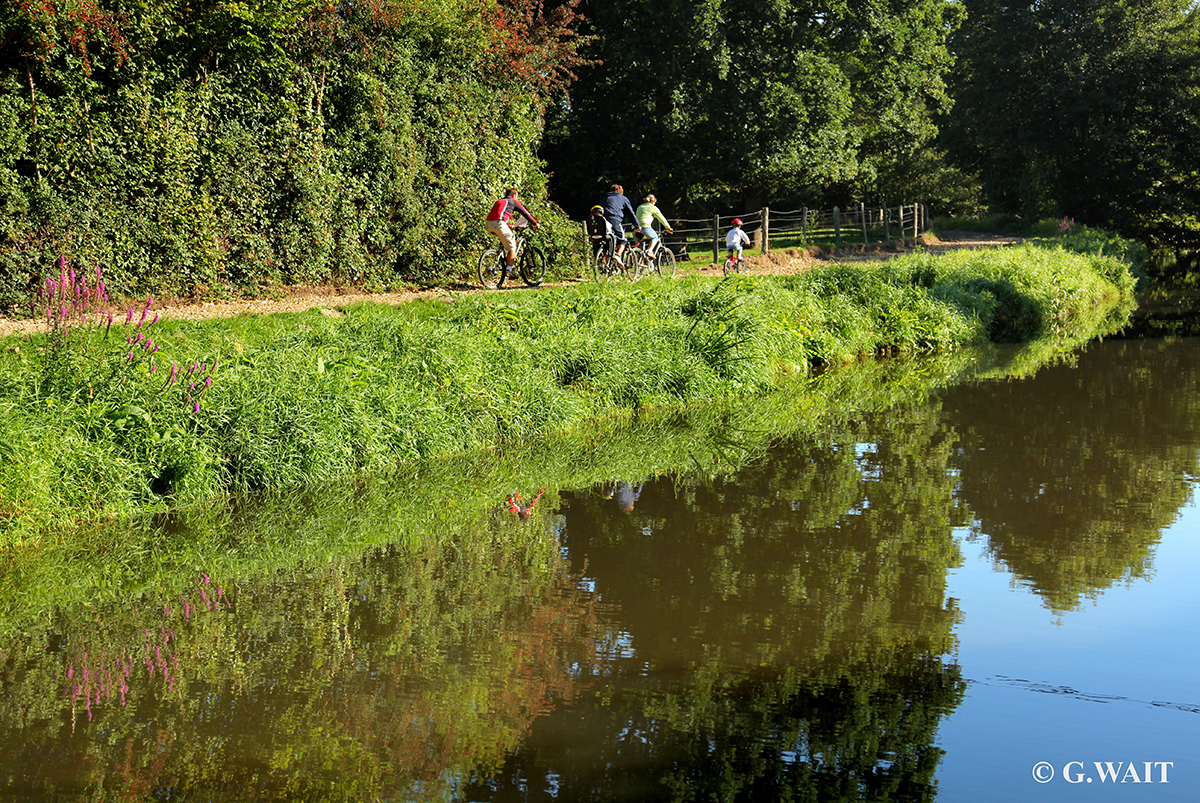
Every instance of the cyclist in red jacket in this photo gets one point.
(497, 226)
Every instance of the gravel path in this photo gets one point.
(330, 300)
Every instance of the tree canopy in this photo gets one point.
(697, 100)
(1087, 109)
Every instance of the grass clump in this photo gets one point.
(297, 399)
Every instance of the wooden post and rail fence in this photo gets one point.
(769, 228)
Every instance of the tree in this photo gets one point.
(696, 99)
(1087, 109)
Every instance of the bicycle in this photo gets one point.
(652, 256)
(734, 263)
(664, 260)
(606, 267)
(530, 263)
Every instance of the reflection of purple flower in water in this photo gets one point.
(95, 680)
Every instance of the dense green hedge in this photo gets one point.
(217, 147)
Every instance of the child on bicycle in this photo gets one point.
(736, 239)
(497, 226)
(599, 230)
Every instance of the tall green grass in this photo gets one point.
(307, 398)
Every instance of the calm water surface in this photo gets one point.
(986, 597)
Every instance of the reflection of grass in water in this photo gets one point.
(385, 670)
(305, 399)
(456, 565)
(415, 505)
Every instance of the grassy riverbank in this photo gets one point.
(299, 399)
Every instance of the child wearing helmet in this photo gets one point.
(736, 238)
(599, 230)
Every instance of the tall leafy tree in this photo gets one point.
(697, 98)
(1087, 108)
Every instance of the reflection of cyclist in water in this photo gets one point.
(626, 495)
(523, 510)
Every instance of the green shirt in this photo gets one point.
(646, 214)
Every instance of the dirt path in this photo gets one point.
(330, 300)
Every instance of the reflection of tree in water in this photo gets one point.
(1071, 475)
(784, 632)
(371, 677)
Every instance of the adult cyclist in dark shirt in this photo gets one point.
(616, 209)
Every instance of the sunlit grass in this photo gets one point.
(308, 398)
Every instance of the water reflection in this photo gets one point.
(1071, 478)
(771, 623)
(386, 675)
(785, 633)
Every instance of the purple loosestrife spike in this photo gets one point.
(208, 382)
(149, 301)
(153, 367)
(129, 316)
(131, 356)
(155, 319)
(109, 325)
(143, 318)
(196, 409)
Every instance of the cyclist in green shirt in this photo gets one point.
(648, 216)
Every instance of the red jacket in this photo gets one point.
(506, 207)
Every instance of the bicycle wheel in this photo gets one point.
(639, 264)
(729, 266)
(665, 262)
(533, 266)
(491, 269)
(604, 265)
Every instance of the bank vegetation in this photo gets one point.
(132, 414)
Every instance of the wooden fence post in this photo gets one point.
(804, 226)
(862, 215)
(914, 221)
(766, 238)
(887, 229)
(837, 226)
(716, 239)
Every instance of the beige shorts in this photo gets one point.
(498, 228)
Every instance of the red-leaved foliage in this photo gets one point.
(78, 23)
(535, 42)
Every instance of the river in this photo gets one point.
(984, 596)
